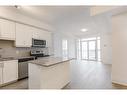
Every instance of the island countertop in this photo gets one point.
(49, 61)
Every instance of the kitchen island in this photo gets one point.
(49, 73)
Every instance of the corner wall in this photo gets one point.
(119, 44)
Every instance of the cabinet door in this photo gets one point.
(49, 43)
(19, 35)
(23, 35)
(48, 37)
(42, 35)
(35, 33)
(39, 34)
(49, 40)
(28, 38)
(10, 71)
(7, 29)
(1, 66)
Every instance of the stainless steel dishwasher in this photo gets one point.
(23, 67)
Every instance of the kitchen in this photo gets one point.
(36, 48)
(20, 43)
(63, 47)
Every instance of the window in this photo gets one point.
(98, 50)
(65, 48)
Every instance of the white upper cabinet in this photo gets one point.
(7, 29)
(48, 37)
(38, 34)
(23, 35)
(35, 33)
(49, 42)
(42, 35)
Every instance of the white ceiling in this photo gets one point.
(51, 14)
(67, 19)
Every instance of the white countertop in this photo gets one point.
(49, 61)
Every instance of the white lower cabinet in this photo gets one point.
(1, 64)
(8, 71)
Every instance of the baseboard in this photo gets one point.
(119, 83)
(5, 84)
(65, 85)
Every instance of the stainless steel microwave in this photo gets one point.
(38, 43)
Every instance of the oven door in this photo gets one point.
(22, 70)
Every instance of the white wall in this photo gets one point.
(102, 27)
(106, 48)
(119, 45)
(58, 44)
(105, 44)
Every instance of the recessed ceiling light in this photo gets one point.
(84, 30)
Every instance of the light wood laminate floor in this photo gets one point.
(84, 75)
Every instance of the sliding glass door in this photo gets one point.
(89, 49)
(64, 48)
(92, 50)
(84, 50)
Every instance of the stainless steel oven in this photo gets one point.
(38, 43)
(23, 67)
